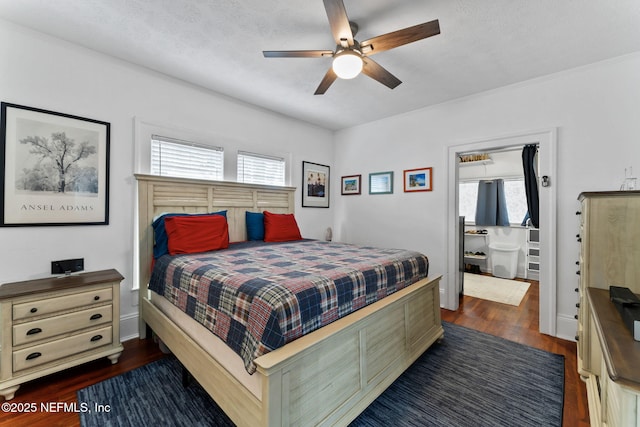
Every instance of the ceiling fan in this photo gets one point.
(352, 57)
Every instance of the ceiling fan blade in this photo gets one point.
(400, 37)
(377, 72)
(339, 22)
(297, 53)
(327, 80)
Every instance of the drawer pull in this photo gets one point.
(33, 310)
(575, 317)
(96, 298)
(578, 305)
(577, 289)
(34, 331)
(34, 355)
(578, 272)
(578, 213)
(577, 338)
(96, 316)
(96, 338)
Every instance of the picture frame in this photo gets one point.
(381, 183)
(315, 185)
(418, 180)
(54, 168)
(351, 185)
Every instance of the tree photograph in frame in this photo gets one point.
(315, 185)
(351, 185)
(418, 179)
(55, 168)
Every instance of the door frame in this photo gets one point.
(546, 140)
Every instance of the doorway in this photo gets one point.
(546, 141)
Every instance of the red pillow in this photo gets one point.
(192, 234)
(280, 227)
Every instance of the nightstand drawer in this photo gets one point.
(57, 325)
(43, 353)
(51, 305)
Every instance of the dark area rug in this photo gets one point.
(469, 379)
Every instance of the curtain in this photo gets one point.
(491, 207)
(529, 160)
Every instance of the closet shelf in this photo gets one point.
(467, 233)
(479, 257)
(476, 162)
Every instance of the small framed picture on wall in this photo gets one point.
(418, 180)
(381, 183)
(351, 185)
(315, 185)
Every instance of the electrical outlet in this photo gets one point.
(67, 266)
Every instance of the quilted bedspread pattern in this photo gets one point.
(258, 297)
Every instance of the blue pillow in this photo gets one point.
(255, 226)
(161, 239)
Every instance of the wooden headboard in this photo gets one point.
(158, 195)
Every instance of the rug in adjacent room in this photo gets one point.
(468, 379)
(491, 288)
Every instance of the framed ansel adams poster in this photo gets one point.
(54, 168)
(315, 185)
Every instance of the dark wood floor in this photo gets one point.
(513, 323)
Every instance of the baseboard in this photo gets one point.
(566, 327)
(129, 327)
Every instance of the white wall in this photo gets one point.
(595, 110)
(42, 72)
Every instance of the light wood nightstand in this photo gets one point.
(55, 323)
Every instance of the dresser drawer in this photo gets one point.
(56, 325)
(51, 305)
(43, 353)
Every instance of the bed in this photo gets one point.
(326, 377)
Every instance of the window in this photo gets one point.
(260, 169)
(516, 200)
(514, 193)
(467, 199)
(185, 159)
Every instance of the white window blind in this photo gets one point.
(185, 159)
(514, 193)
(260, 169)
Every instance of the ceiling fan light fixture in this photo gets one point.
(347, 64)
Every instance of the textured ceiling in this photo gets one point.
(218, 45)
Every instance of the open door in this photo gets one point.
(546, 141)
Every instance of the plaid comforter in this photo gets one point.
(259, 296)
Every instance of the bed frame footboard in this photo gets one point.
(327, 377)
